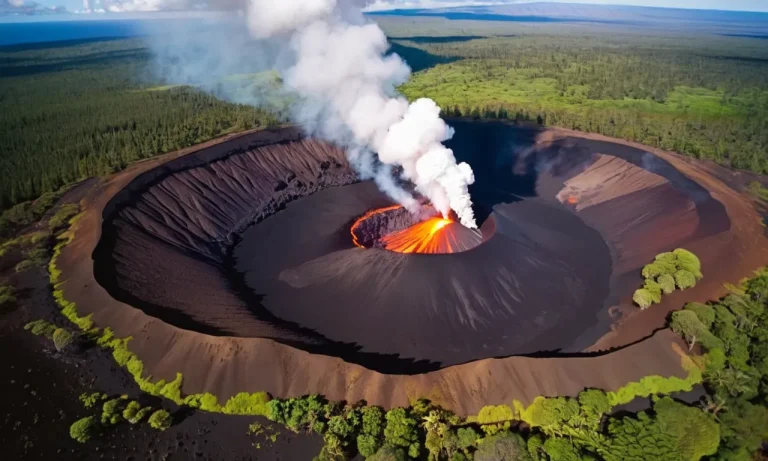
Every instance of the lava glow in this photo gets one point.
(435, 235)
(430, 236)
(366, 216)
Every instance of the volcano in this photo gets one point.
(273, 236)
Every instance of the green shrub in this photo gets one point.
(245, 403)
(40, 328)
(131, 410)
(60, 220)
(111, 412)
(654, 289)
(83, 429)
(7, 296)
(688, 261)
(685, 279)
(667, 283)
(90, 400)
(643, 298)
(206, 402)
(134, 413)
(25, 265)
(160, 420)
(62, 338)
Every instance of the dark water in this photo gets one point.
(39, 32)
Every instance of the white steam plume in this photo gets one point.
(346, 83)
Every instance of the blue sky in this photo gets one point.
(740, 5)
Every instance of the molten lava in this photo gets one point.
(394, 229)
(430, 236)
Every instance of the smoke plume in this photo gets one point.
(342, 86)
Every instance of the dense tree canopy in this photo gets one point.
(73, 112)
(703, 96)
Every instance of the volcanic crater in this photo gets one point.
(272, 236)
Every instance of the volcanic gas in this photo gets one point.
(395, 229)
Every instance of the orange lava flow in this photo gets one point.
(573, 200)
(423, 237)
(366, 216)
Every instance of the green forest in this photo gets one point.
(73, 112)
(86, 109)
(703, 96)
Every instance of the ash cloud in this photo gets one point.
(336, 79)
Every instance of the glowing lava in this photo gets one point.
(430, 236)
(378, 228)
(353, 230)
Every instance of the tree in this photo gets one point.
(160, 420)
(687, 324)
(83, 429)
(370, 439)
(402, 431)
(560, 449)
(704, 312)
(389, 453)
(504, 446)
(551, 414)
(594, 404)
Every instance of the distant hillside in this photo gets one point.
(705, 20)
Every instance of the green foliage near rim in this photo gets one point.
(23, 214)
(675, 269)
(7, 296)
(60, 220)
(62, 338)
(83, 429)
(90, 400)
(41, 328)
(160, 420)
(134, 413)
(112, 412)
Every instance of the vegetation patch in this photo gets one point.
(7, 296)
(679, 269)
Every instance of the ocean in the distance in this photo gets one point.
(16, 33)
